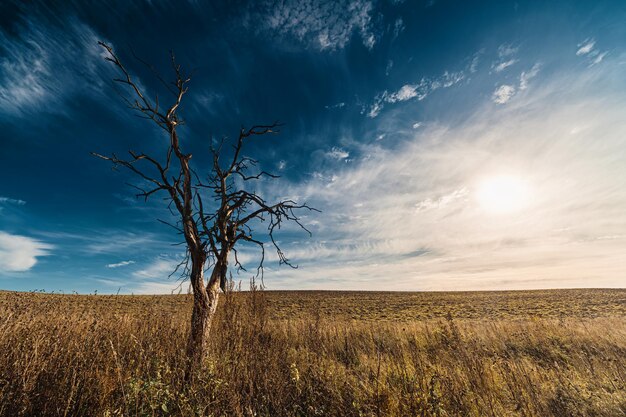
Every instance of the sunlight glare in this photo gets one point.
(503, 194)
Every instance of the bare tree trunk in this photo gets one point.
(204, 307)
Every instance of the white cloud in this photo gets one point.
(585, 47)
(20, 253)
(598, 58)
(473, 66)
(525, 77)
(501, 66)
(325, 25)
(369, 40)
(506, 50)
(159, 268)
(120, 264)
(324, 40)
(336, 106)
(448, 79)
(505, 58)
(207, 101)
(443, 201)
(588, 50)
(108, 242)
(398, 27)
(111, 243)
(388, 67)
(503, 94)
(337, 153)
(416, 125)
(157, 287)
(7, 200)
(375, 108)
(417, 91)
(406, 92)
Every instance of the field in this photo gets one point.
(517, 353)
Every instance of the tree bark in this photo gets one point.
(205, 301)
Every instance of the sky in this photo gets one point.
(449, 145)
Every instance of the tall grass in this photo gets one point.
(62, 360)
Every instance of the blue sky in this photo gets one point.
(449, 145)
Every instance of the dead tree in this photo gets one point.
(214, 212)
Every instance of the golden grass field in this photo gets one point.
(301, 353)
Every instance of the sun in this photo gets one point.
(502, 194)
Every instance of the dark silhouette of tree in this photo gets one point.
(214, 212)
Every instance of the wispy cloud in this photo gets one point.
(19, 253)
(442, 201)
(160, 268)
(598, 58)
(112, 243)
(7, 200)
(473, 64)
(375, 108)
(107, 242)
(501, 66)
(526, 76)
(507, 50)
(336, 105)
(338, 153)
(158, 287)
(406, 92)
(588, 49)
(324, 25)
(34, 69)
(585, 47)
(417, 91)
(503, 94)
(388, 67)
(209, 102)
(120, 264)
(398, 27)
(506, 58)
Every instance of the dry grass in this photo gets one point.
(545, 353)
